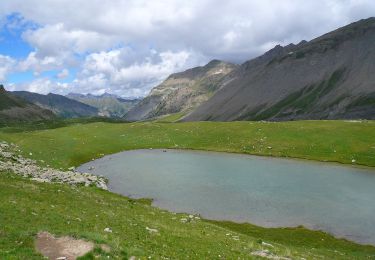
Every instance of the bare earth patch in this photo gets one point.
(61, 248)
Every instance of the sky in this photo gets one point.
(126, 47)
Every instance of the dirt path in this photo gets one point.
(62, 248)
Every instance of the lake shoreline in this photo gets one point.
(266, 159)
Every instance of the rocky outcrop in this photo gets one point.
(10, 160)
(330, 77)
(182, 92)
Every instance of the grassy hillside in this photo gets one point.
(336, 141)
(27, 207)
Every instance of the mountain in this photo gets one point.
(60, 105)
(330, 77)
(13, 109)
(108, 105)
(181, 92)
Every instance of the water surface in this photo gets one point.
(264, 191)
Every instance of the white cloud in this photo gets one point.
(6, 66)
(110, 71)
(40, 64)
(52, 40)
(63, 74)
(41, 85)
(128, 46)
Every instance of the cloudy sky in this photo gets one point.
(126, 47)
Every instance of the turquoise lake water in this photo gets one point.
(264, 191)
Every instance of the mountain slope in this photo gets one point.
(60, 105)
(107, 104)
(330, 77)
(14, 109)
(181, 92)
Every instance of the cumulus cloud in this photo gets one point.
(41, 85)
(111, 72)
(128, 46)
(63, 74)
(52, 40)
(6, 66)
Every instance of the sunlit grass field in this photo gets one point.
(335, 141)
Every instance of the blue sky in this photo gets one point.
(126, 47)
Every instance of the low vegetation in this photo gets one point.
(351, 142)
(135, 228)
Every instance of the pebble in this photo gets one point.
(108, 230)
(152, 230)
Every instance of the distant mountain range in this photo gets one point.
(61, 106)
(108, 105)
(14, 109)
(330, 77)
(182, 92)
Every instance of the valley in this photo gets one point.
(72, 145)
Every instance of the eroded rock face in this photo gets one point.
(10, 161)
(61, 248)
(330, 77)
(181, 92)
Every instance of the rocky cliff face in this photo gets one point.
(60, 105)
(14, 109)
(330, 77)
(182, 92)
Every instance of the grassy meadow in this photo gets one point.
(348, 142)
(27, 207)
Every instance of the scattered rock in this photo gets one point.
(61, 248)
(152, 230)
(29, 168)
(268, 254)
(108, 230)
(266, 244)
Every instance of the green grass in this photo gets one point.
(27, 207)
(172, 118)
(336, 141)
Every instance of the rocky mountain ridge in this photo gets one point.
(58, 104)
(14, 109)
(181, 92)
(330, 77)
(108, 105)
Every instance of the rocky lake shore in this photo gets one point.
(12, 160)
